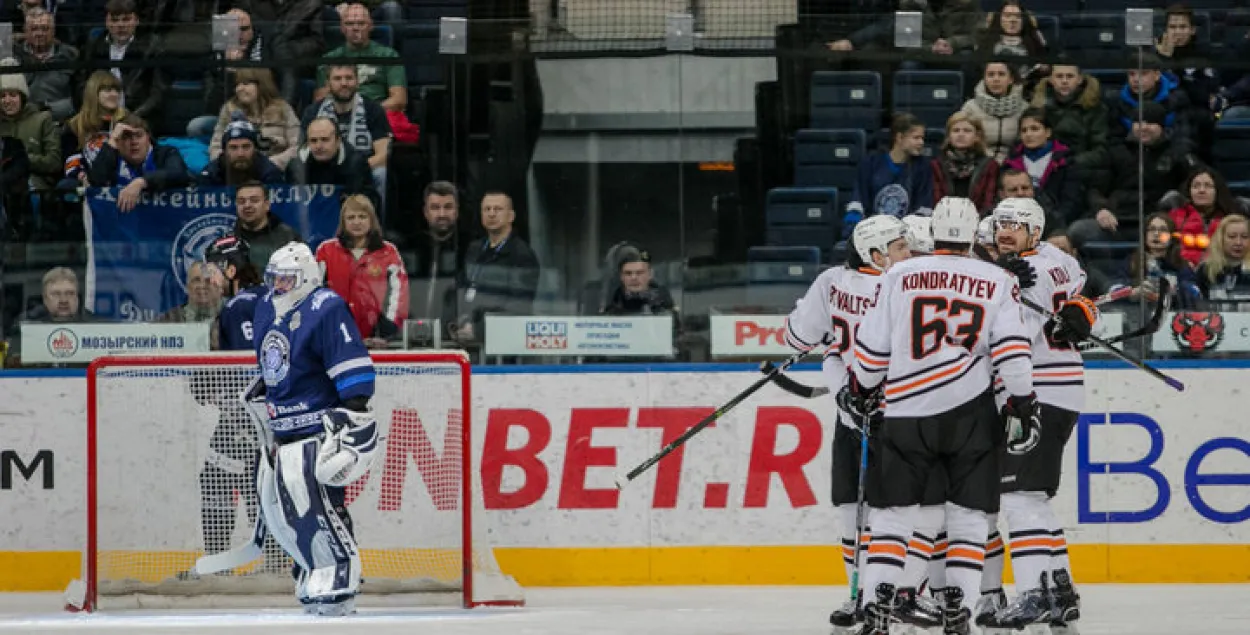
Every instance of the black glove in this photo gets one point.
(859, 402)
(1074, 321)
(1020, 268)
(1023, 419)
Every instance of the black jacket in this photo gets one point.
(1124, 109)
(349, 170)
(170, 172)
(142, 87)
(263, 170)
(263, 242)
(1167, 164)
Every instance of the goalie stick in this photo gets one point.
(624, 479)
(1107, 346)
(237, 557)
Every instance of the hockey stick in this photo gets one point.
(859, 505)
(625, 479)
(239, 556)
(1107, 346)
(787, 384)
(1156, 318)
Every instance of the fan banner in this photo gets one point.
(138, 261)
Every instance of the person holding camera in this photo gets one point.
(130, 160)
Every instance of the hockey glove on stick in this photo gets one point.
(1023, 419)
(1074, 321)
(1020, 268)
(858, 401)
(350, 443)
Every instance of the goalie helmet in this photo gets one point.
(1024, 211)
(955, 220)
(919, 233)
(292, 274)
(875, 233)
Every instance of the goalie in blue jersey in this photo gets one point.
(311, 404)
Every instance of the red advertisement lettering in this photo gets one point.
(581, 455)
(496, 455)
(441, 475)
(673, 422)
(789, 467)
(747, 330)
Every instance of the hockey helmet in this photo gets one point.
(919, 233)
(985, 231)
(1024, 211)
(875, 233)
(955, 220)
(228, 250)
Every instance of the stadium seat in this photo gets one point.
(778, 275)
(1231, 150)
(1112, 81)
(930, 95)
(1093, 31)
(846, 99)
(1235, 27)
(433, 10)
(181, 100)
(1048, 6)
(418, 46)
(802, 216)
(828, 158)
(1049, 27)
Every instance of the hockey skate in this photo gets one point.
(331, 609)
(879, 615)
(1030, 607)
(845, 617)
(955, 617)
(989, 604)
(1066, 604)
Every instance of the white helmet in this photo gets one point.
(955, 220)
(292, 274)
(919, 233)
(1025, 211)
(985, 231)
(875, 233)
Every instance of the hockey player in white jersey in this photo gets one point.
(1039, 552)
(919, 234)
(311, 405)
(827, 315)
(940, 327)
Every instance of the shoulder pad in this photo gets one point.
(320, 297)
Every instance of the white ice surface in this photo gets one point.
(1108, 609)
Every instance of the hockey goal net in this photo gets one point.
(169, 478)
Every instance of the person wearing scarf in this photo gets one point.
(1048, 164)
(963, 169)
(132, 161)
(997, 102)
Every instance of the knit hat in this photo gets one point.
(1153, 112)
(13, 81)
(239, 130)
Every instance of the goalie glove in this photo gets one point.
(859, 402)
(347, 451)
(1074, 321)
(1020, 268)
(1023, 419)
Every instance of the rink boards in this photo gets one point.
(1156, 489)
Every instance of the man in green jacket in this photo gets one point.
(33, 127)
(1078, 119)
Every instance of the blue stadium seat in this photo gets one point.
(1092, 31)
(418, 46)
(802, 216)
(846, 99)
(828, 158)
(778, 275)
(1112, 81)
(930, 95)
(1235, 27)
(1049, 26)
(1231, 150)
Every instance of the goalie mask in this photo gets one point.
(877, 233)
(919, 234)
(292, 274)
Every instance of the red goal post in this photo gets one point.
(162, 484)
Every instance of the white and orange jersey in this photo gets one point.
(941, 327)
(1058, 371)
(828, 314)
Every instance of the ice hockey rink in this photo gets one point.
(1127, 609)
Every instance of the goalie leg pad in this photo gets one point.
(303, 520)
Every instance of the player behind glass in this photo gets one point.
(312, 402)
(940, 327)
(229, 256)
(827, 316)
(1039, 551)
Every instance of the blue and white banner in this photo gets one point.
(138, 261)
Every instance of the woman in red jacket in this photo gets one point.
(1209, 200)
(367, 271)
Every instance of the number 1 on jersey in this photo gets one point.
(346, 336)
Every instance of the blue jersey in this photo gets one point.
(314, 360)
(234, 325)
